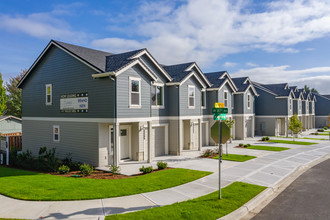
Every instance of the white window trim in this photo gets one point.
(51, 94)
(130, 91)
(226, 91)
(249, 101)
(58, 127)
(290, 104)
(192, 107)
(163, 94)
(203, 107)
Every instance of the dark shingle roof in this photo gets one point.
(327, 96)
(278, 89)
(118, 61)
(239, 82)
(177, 72)
(96, 58)
(214, 78)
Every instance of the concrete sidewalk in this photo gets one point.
(267, 170)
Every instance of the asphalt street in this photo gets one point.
(308, 197)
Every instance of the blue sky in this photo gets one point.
(270, 41)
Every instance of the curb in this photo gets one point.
(255, 205)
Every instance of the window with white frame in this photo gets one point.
(56, 133)
(290, 104)
(157, 96)
(248, 101)
(203, 94)
(225, 98)
(299, 105)
(49, 94)
(135, 92)
(191, 96)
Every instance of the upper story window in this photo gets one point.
(313, 107)
(290, 104)
(191, 96)
(248, 101)
(307, 107)
(203, 94)
(49, 94)
(56, 133)
(299, 105)
(157, 96)
(225, 98)
(134, 92)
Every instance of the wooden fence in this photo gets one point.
(15, 140)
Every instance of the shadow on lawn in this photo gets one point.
(8, 171)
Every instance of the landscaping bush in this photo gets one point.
(247, 145)
(63, 169)
(21, 159)
(146, 170)
(115, 170)
(161, 165)
(207, 153)
(320, 130)
(240, 144)
(325, 128)
(265, 138)
(86, 169)
(47, 161)
(74, 165)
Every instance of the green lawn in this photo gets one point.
(292, 142)
(326, 134)
(235, 157)
(320, 139)
(29, 185)
(205, 207)
(258, 147)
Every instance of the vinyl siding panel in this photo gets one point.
(67, 75)
(184, 110)
(251, 109)
(123, 109)
(78, 138)
(231, 101)
(173, 100)
(10, 126)
(267, 104)
(239, 104)
(322, 106)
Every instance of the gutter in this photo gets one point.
(102, 75)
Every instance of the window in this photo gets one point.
(313, 107)
(49, 94)
(203, 94)
(56, 133)
(135, 92)
(157, 96)
(225, 98)
(299, 105)
(248, 101)
(191, 96)
(307, 106)
(290, 104)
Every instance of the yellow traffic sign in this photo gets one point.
(219, 105)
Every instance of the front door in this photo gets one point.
(124, 137)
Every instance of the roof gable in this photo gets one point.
(243, 84)
(199, 71)
(218, 79)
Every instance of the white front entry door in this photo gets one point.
(125, 142)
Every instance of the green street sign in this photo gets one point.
(219, 110)
(219, 117)
(225, 132)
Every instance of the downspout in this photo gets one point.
(115, 119)
(179, 122)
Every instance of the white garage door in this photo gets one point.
(195, 137)
(159, 140)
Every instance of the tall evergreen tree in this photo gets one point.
(14, 97)
(3, 96)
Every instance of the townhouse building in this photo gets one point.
(322, 110)
(273, 108)
(244, 108)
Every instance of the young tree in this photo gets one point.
(14, 96)
(230, 123)
(3, 96)
(295, 125)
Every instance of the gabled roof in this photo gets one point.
(104, 63)
(218, 79)
(280, 89)
(178, 72)
(327, 96)
(243, 84)
(9, 117)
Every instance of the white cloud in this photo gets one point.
(205, 32)
(229, 64)
(116, 45)
(317, 77)
(251, 64)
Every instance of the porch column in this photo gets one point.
(116, 134)
(286, 127)
(180, 137)
(149, 142)
(252, 126)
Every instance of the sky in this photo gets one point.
(269, 41)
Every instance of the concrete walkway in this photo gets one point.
(267, 170)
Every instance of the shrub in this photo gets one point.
(21, 159)
(315, 133)
(240, 144)
(115, 170)
(161, 165)
(47, 161)
(320, 130)
(267, 138)
(86, 169)
(207, 153)
(146, 169)
(247, 145)
(63, 169)
(325, 128)
(74, 165)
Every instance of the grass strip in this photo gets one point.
(326, 134)
(27, 185)
(269, 148)
(206, 207)
(320, 139)
(291, 142)
(236, 157)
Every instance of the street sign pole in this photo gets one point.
(220, 159)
